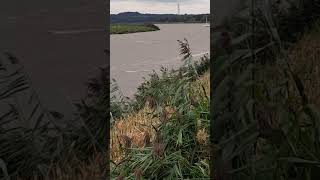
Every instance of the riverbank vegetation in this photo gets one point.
(132, 28)
(265, 111)
(165, 135)
(39, 143)
(136, 17)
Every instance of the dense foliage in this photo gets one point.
(132, 28)
(35, 141)
(179, 149)
(257, 131)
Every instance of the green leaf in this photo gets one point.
(257, 51)
(228, 150)
(223, 88)
(4, 169)
(179, 138)
(245, 143)
(244, 76)
(299, 160)
(314, 113)
(249, 108)
(268, 16)
(238, 134)
(241, 38)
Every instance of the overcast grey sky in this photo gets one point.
(160, 6)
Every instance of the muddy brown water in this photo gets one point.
(59, 50)
(134, 56)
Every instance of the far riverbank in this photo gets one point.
(132, 28)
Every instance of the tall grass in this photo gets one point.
(35, 141)
(256, 134)
(171, 113)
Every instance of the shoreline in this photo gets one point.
(196, 59)
(132, 28)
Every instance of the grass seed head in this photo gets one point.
(194, 100)
(202, 136)
(164, 116)
(120, 177)
(151, 102)
(138, 174)
(127, 141)
(158, 150)
(147, 138)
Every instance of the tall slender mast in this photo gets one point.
(178, 7)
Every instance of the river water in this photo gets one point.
(59, 51)
(134, 56)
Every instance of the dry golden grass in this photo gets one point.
(202, 88)
(304, 59)
(202, 136)
(76, 170)
(136, 128)
(203, 81)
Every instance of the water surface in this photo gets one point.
(134, 56)
(59, 51)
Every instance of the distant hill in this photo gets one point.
(136, 17)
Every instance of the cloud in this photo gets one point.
(160, 6)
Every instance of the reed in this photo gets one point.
(166, 134)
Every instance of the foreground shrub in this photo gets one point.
(34, 139)
(179, 142)
(304, 60)
(256, 132)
